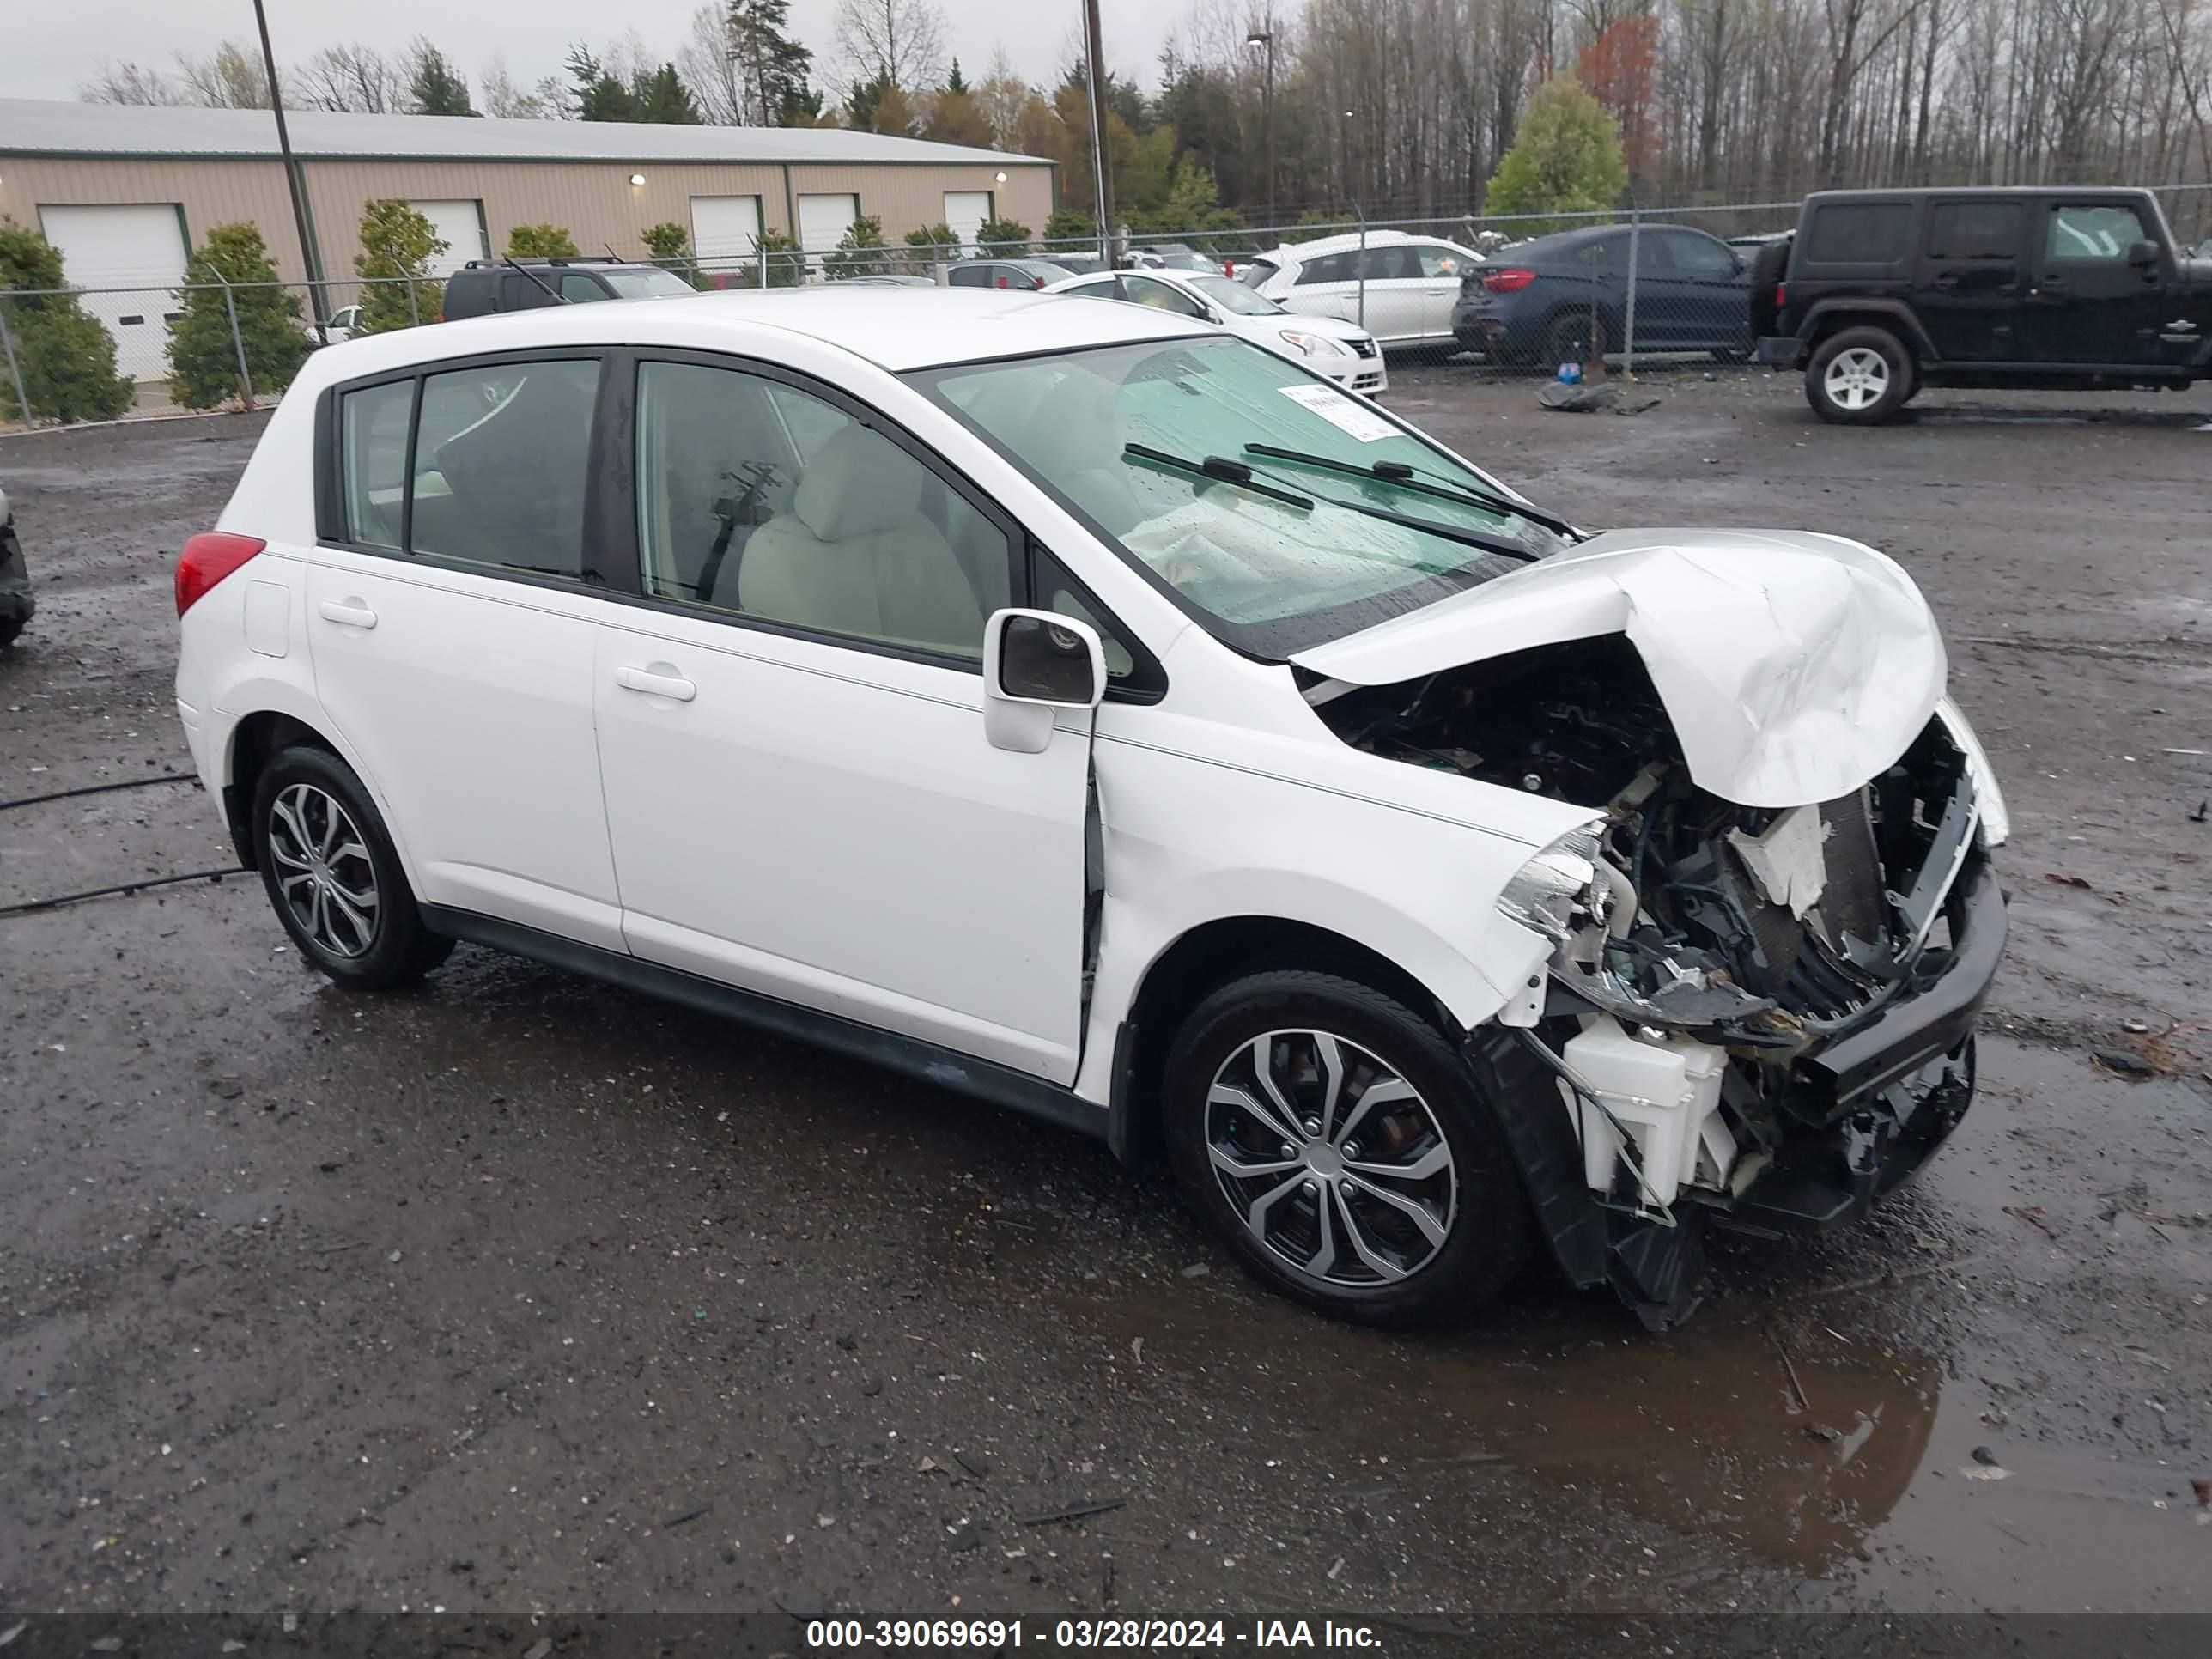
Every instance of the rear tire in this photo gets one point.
(1767, 267)
(333, 876)
(1859, 377)
(1574, 337)
(1386, 1197)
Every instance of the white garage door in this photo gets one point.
(725, 229)
(966, 210)
(823, 220)
(140, 247)
(461, 226)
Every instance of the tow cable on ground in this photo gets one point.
(127, 887)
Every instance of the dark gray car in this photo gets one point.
(1563, 298)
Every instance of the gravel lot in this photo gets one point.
(522, 1295)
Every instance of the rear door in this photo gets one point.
(1968, 288)
(2088, 303)
(450, 611)
(1396, 295)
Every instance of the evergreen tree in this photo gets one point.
(540, 242)
(773, 64)
(859, 250)
(1566, 157)
(952, 82)
(1001, 239)
(203, 355)
(670, 245)
(663, 98)
(66, 358)
(397, 241)
(435, 88)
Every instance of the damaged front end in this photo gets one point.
(1758, 1017)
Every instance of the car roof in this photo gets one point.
(896, 328)
(1916, 192)
(1293, 253)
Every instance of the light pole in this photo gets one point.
(1264, 38)
(318, 297)
(1102, 189)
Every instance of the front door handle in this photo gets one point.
(352, 612)
(674, 687)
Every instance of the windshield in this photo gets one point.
(645, 284)
(1269, 575)
(1234, 297)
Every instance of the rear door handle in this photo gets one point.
(352, 612)
(673, 686)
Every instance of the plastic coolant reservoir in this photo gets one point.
(1666, 1092)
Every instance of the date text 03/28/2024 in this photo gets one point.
(987, 1635)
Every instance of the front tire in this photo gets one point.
(333, 876)
(1336, 1142)
(1860, 377)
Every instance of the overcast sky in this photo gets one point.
(54, 47)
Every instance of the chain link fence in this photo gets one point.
(1644, 288)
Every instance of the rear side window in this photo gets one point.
(1256, 273)
(500, 453)
(1974, 230)
(968, 275)
(579, 290)
(1329, 268)
(1859, 233)
(373, 437)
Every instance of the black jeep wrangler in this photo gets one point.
(1884, 291)
(483, 286)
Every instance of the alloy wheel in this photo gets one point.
(1856, 380)
(1331, 1160)
(323, 875)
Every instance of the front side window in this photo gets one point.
(2100, 233)
(645, 284)
(1233, 297)
(970, 275)
(1272, 576)
(1438, 260)
(501, 454)
(757, 498)
(1163, 296)
(1700, 256)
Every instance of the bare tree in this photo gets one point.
(505, 100)
(229, 77)
(709, 65)
(129, 83)
(357, 78)
(900, 42)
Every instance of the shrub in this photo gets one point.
(1566, 158)
(203, 355)
(66, 358)
(859, 250)
(397, 242)
(787, 265)
(670, 245)
(540, 242)
(1002, 239)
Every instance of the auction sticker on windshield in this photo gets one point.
(1339, 410)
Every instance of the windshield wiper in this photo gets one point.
(1220, 468)
(1451, 532)
(1402, 475)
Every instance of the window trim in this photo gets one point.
(621, 543)
(330, 482)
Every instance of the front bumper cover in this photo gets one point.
(1884, 1092)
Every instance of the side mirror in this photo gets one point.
(2142, 253)
(1034, 662)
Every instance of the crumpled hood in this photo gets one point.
(1794, 666)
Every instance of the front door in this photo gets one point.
(1442, 265)
(2089, 303)
(1968, 289)
(801, 797)
(451, 626)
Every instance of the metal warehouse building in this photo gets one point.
(124, 191)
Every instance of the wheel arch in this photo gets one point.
(1828, 318)
(1200, 960)
(256, 738)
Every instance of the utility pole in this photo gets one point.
(1264, 37)
(316, 298)
(1094, 53)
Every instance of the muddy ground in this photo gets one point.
(522, 1294)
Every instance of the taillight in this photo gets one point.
(1507, 282)
(207, 559)
(1780, 295)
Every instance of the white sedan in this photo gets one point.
(1337, 351)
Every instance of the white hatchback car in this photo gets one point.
(1336, 350)
(1411, 284)
(1085, 709)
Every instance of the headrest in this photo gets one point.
(858, 484)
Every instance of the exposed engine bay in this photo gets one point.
(1703, 948)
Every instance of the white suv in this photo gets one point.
(1082, 708)
(1405, 300)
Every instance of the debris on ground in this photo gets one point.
(2122, 1063)
(1584, 399)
